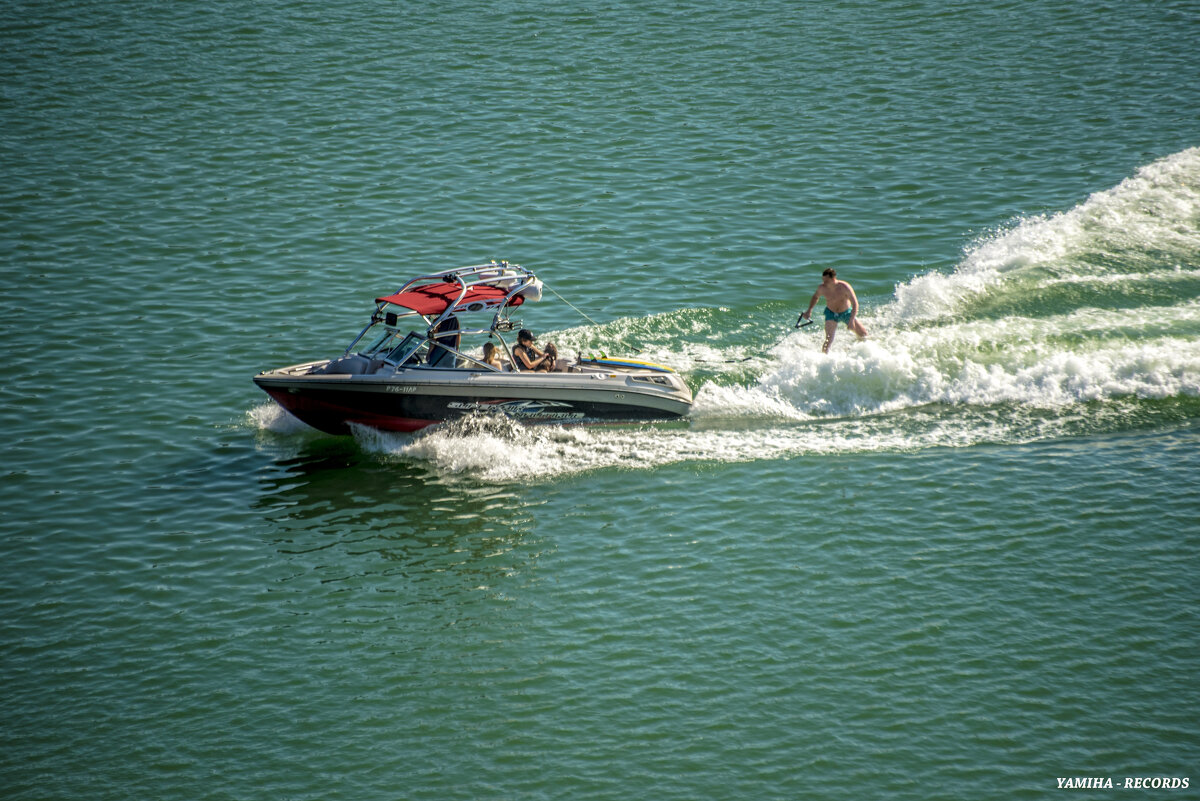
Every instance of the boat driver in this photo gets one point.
(529, 358)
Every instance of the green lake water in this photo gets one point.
(960, 559)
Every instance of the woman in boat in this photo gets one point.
(529, 358)
(491, 355)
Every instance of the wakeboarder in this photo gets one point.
(841, 306)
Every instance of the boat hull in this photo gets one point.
(413, 399)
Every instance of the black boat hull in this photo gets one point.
(332, 403)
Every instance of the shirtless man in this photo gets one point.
(841, 306)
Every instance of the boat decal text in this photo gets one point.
(524, 409)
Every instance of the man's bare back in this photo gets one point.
(841, 305)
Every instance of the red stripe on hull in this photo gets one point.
(332, 418)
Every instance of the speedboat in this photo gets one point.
(419, 361)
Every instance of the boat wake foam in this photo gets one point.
(271, 417)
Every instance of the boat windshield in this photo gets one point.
(381, 339)
(391, 344)
(411, 350)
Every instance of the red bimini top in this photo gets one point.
(435, 298)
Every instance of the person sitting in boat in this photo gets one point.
(529, 358)
(491, 355)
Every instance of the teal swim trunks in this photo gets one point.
(841, 317)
